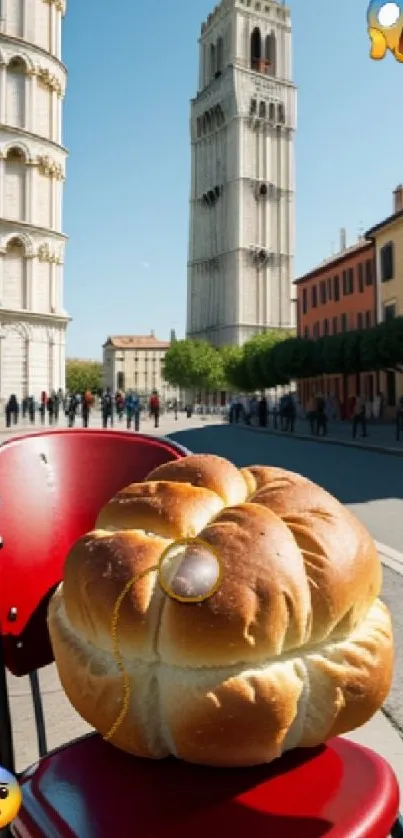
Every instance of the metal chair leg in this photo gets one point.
(39, 715)
(6, 730)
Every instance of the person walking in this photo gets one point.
(262, 412)
(155, 408)
(42, 406)
(359, 417)
(107, 408)
(129, 408)
(72, 410)
(175, 409)
(119, 404)
(87, 401)
(12, 411)
(31, 409)
(289, 413)
(50, 407)
(321, 416)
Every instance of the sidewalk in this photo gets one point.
(381, 437)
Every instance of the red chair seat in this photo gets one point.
(91, 790)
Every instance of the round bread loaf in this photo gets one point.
(293, 648)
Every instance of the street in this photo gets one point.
(369, 483)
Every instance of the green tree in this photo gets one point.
(235, 370)
(193, 365)
(83, 375)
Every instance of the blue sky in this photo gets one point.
(132, 70)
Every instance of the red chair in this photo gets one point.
(51, 488)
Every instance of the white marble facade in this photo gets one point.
(243, 121)
(33, 321)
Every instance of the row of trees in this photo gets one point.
(83, 375)
(276, 358)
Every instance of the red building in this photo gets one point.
(339, 296)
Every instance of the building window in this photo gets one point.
(255, 49)
(368, 320)
(389, 311)
(253, 107)
(360, 320)
(350, 281)
(272, 112)
(314, 294)
(281, 114)
(220, 55)
(369, 272)
(344, 323)
(304, 301)
(270, 54)
(360, 278)
(322, 293)
(335, 325)
(262, 110)
(336, 288)
(325, 327)
(344, 282)
(329, 289)
(387, 262)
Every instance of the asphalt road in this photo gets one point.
(370, 484)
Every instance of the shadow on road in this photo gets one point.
(353, 475)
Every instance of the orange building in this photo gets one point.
(339, 296)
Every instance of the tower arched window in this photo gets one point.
(14, 275)
(262, 110)
(15, 103)
(213, 58)
(270, 54)
(14, 185)
(220, 55)
(256, 49)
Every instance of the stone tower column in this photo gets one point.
(33, 321)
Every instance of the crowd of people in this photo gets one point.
(113, 406)
(319, 411)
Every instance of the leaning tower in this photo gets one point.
(33, 321)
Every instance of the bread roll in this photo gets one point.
(294, 647)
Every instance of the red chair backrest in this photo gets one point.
(52, 486)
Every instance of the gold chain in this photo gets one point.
(116, 651)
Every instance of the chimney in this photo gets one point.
(398, 198)
(342, 239)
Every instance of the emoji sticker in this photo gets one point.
(385, 29)
(10, 797)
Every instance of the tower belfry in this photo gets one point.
(243, 120)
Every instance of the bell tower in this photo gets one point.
(243, 122)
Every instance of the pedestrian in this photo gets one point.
(262, 412)
(107, 408)
(321, 416)
(359, 417)
(72, 410)
(56, 406)
(50, 407)
(155, 408)
(24, 407)
(42, 406)
(129, 408)
(87, 401)
(311, 414)
(289, 413)
(31, 409)
(12, 411)
(119, 404)
(175, 409)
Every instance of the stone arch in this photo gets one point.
(23, 239)
(18, 145)
(22, 60)
(22, 329)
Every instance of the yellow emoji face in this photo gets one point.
(385, 28)
(10, 797)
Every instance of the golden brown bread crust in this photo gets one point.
(172, 510)
(293, 648)
(212, 472)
